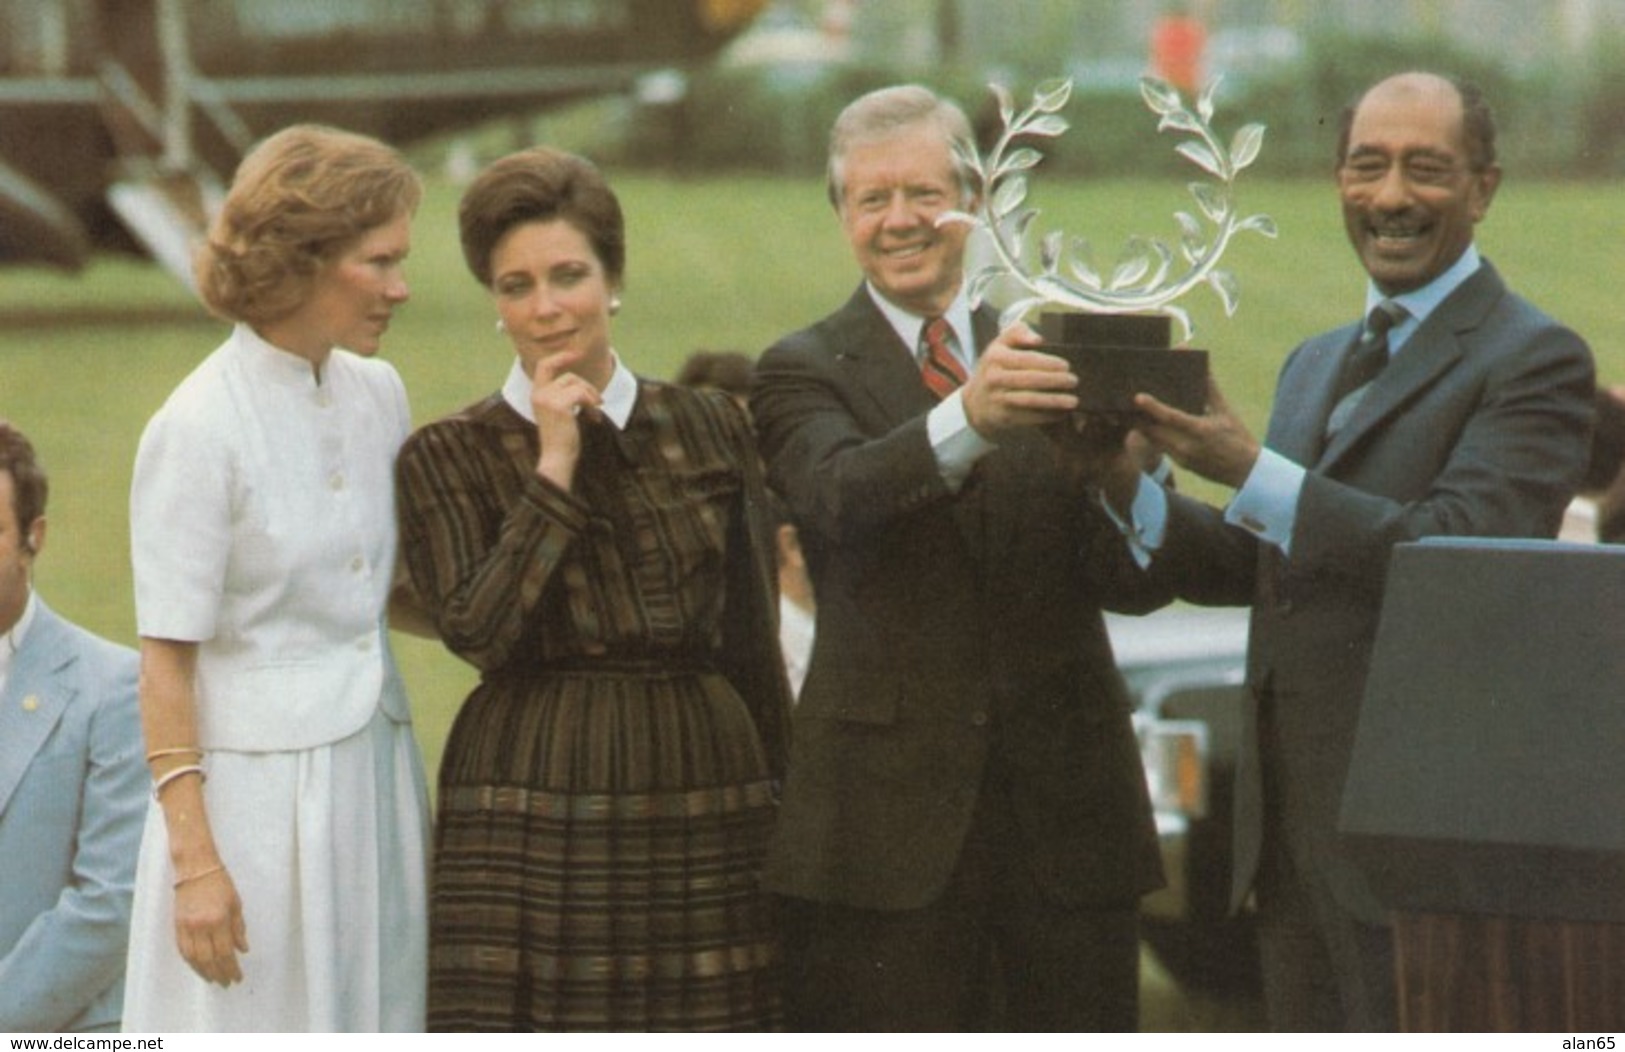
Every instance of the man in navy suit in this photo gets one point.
(965, 809)
(1472, 420)
(73, 787)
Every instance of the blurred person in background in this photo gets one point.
(728, 371)
(292, 811)
(1598, 513)
(1178, 44)
(73, 790)
(596, 545)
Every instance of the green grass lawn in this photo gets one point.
(720, 264)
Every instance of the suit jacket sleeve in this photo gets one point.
(1514, 466)
(480, 565)
(1206, 560)
(750, 654)
(844, 484)
(1490, 440)
(73, 952)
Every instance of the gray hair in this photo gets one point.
(887, 111)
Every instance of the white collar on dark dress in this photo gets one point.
(620, 394)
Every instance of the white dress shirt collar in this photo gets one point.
(620, 394)
(908, 326)
(1419, 303)
(797, 629)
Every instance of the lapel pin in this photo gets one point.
(31, 703)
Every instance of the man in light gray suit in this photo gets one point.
(73, 787)
(1472, 419)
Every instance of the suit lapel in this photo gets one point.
(1426, 356)
(1304, 400)
(868, 350)
(34, 699)
(884, 370)
(1433, 350)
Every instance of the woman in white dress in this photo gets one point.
(281, 885)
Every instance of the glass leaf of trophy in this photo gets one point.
(1105, 321)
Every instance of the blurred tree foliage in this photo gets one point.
(1601, 133)
(1563, 121)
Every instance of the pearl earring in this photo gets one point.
(502, 326)
(615, 305)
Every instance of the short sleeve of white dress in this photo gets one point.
(180, 516)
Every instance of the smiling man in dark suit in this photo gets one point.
(964, 786)
(1472, 418)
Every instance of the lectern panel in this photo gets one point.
(1488, 773)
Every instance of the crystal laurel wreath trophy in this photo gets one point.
(1115, 331)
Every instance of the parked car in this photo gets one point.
(1185, 668)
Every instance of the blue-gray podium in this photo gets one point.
(1486, 794)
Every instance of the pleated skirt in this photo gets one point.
(597, 859)
(328, 848)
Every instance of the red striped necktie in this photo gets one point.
(939, 368)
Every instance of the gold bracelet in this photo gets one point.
(200, 874)
(179, 772)
(179, 750)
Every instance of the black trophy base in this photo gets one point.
(1117, 356)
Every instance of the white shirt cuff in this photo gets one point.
(1267, 503)
(957, 445)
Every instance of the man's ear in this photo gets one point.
(34, 537)
(1487, 182)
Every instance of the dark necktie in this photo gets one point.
(1370, 355)
(938, 366)
(1364, 363)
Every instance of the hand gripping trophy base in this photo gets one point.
(1117, 356)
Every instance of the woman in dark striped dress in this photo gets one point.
(594, 544)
